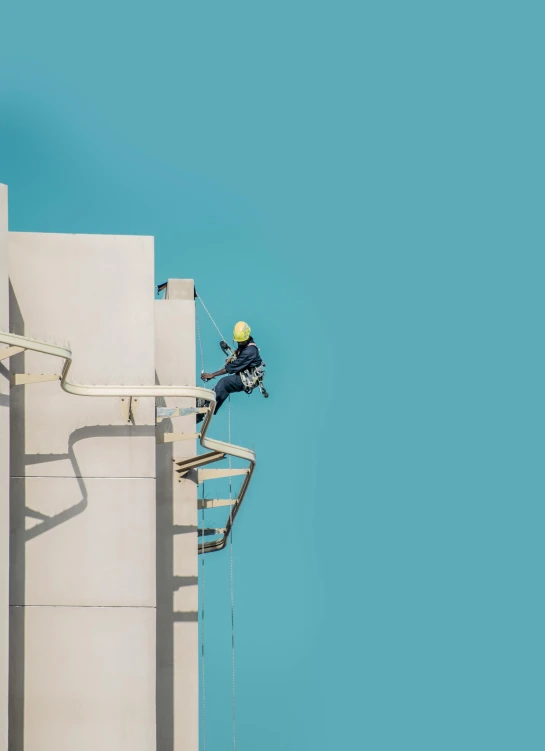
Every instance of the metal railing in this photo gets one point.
(20, 343)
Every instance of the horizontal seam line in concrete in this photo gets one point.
(80, 477)
(103, 607)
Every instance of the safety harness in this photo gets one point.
(251, 377)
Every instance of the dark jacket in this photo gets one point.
(248, 357)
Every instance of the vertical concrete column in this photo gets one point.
(82, 574)
(4, 474)
(177, 556)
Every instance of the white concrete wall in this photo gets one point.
(82, 578)
(177, 556)
(4, 474)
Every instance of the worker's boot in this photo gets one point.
(200, 404)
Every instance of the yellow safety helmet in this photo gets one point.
(241, 332)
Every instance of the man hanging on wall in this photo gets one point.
(239, 374)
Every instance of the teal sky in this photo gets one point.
(363, 183)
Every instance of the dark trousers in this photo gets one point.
(229, 384)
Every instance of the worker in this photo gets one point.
(243, 359)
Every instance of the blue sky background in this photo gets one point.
(363, 182)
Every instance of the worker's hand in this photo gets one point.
(206, 377)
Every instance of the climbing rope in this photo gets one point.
(210, 316)
(229, 441)
(232, 591)
(199, 338)
(233, 694)
(203, 671)
(203, 685)
(231, 582)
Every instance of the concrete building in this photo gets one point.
(98, 585)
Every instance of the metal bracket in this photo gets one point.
(216, 474)
(10, 352)
(20, 379)
(210, 531)
(164, 413)
(192, 462)
(215, 502)
(171, 437)
(128, 408)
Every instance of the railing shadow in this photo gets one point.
(168, 583)
(164, 649)
(16, 657)
(80, 434)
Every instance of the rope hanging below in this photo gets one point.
(232, 593)
(231, 578)
(199, 338)
(203, 672)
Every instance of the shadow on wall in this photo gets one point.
(16, 705)
(91, 431)
(164, 649)
(167, 584)
(20, 512)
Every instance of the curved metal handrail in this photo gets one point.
(192, 392)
